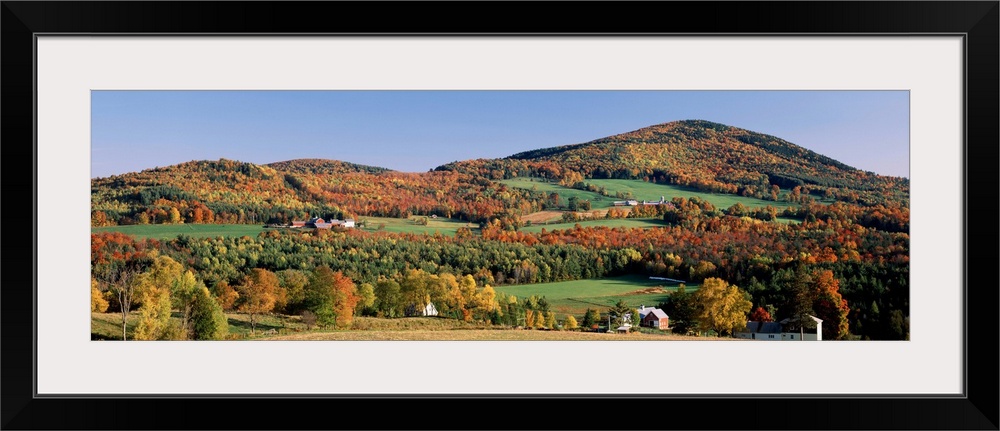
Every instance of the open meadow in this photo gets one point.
(620, 222)
(170, 231)
(596, 200)
(575, 297)
(642, 190)
(444, 226)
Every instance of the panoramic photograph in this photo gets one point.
(588, 215)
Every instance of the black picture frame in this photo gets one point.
(977, 22)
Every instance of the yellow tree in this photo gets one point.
(570, 322)
(154, 314)
(175, 216)
(721, 306)
(529, 318)
(97, 301)
(154, 288)
(486, 301)
(257, 294)
(182, 295)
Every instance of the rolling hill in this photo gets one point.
(706, 156)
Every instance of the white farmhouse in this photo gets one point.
(777, 331)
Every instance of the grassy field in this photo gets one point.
(445, 226)
(642, 190)
(575, 297)
(169, 231)
(596, 200)
(622, 222)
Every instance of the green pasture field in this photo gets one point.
(575, 297)
(445, 226)
(642, 190)
(170, 231)
(596, 200)
(789, 220)
(620, 222)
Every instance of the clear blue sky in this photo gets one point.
(415, 131)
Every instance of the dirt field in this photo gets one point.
(542, 216)
(549, 216)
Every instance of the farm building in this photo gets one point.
(625, 203)
(662, 201)
(319, 223)
(779, 331)
(428, 309)
(653, 318)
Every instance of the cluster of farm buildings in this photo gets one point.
(318, 223)
(633, 202)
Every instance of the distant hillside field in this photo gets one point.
(170, 231)
(642, 190)
(537, 184)
(575, 297)
(619, 222)
(445, 226)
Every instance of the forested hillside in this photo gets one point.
(701, 154)
(228, 191)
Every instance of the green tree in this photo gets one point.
(800, 297)
(209, 322)
(366, 303)
(591, 318)
(294, 282)
(899, 326)
(621, 314)
(388, 302)
(681, 309)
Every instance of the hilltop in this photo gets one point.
(709, 156)
(703, 155)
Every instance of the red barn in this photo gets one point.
(654, 318)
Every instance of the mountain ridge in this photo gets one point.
(708, 156)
